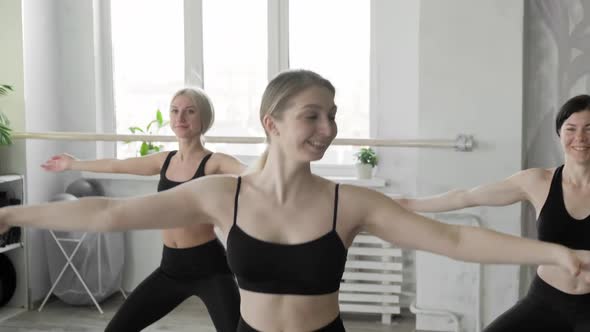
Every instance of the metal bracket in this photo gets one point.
(464, 143)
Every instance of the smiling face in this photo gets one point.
(307, 126)
(297, 113)
(575, 137)
(185, 118)
(191, 113)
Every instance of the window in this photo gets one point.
(231, 61)
(235, 68)
(339, 51)
(148, 61)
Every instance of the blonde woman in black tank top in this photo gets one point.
(287, 213)
(556, 301)
(193, 260)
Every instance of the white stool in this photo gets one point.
(69, 257)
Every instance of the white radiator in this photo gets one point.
(372, 278)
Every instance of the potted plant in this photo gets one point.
(366, 161)
(5, 130)
(157, 124)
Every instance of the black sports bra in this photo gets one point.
(310, 268)
(556, 225)
(166, 184)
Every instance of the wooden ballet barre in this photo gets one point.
(461, 143)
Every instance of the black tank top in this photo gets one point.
(166, 184)
(310, 268)
(556, 225)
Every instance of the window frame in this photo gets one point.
(278, 61)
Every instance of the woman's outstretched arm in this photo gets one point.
(508, 191)
(178, 207)
(383, 217)
(146, 165)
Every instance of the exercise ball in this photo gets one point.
(63, 197)
(7, 280)
(84, 188)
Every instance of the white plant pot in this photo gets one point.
(364, 171)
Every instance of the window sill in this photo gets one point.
(369, 183)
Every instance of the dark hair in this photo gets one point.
(576, 104)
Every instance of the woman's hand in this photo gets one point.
(581, 259)
(576, 262)
(4, 227)
(59, 163)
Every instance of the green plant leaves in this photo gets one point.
(159, 121)
(367, 156)
(5, 131)
(143, 150)
(150, 125)
(159, 118)
(4, 119)
(148, 147)
(4, 89)
(135, 129)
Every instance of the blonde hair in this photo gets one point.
(279, 92)
(202, 102)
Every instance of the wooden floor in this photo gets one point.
(190, 316)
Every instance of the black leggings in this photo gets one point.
(545, 309)
(335, 326)
(183, 273)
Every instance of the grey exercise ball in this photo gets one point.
(63, 197)
(84, 188)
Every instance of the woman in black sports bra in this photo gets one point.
(288, 230)
(556, 301)
(193, 259)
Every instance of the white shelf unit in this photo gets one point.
(18, 253)
(372, 278)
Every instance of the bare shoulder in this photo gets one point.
(221, 163)
(358, 192)
(216, 184)
(360, 201)
(159, 157)
(535, 182)
(534, 176)
(361, 207)
(356, 195)
(220, 158)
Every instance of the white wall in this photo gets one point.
(78, 78)
(471, 81)
(43, 102)
(394, 51)
(58, 89)
(395, 79)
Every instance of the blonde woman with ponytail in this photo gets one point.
(287, 229)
